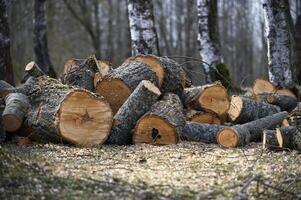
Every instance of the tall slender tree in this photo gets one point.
(278, 42)
(40, 38)
(142, 26)
(6, 67)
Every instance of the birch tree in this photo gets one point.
(278, 42)
(208, 38)
(40, 38)
(6, 68)
(142, 27)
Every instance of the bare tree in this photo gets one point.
(40, 38)
(278, 41)
(142, 26)
(6, 67)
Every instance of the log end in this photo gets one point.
(227, 137)
(285, 92)
(235, 107)
(11, 122)
(84, 119)
(263, 86)
(206, 118)
(154, 130)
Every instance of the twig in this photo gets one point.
(241, 192)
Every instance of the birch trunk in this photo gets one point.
(208, 37)
(278, 42)
(6, 68)
(142, 27)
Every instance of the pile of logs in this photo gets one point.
(148, 99)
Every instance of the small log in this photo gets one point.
(24, 88)
(34, 70)
(70, 63)
(119, 83)
(201, 132)
(202, 117)
(285, 92)
(16, 108)
(240, 135)
(138, 103)
(62, 113)
(263, 86)
(244, 110)
(209, 98)
(286, 103)
(104, 70)
(163, 124)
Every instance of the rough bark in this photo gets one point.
(202, 117)
(40, 38)
(6, 88)
(16, 107)
(6, 67)
(163, 124)
(142, 27)
(240, 135)
(244, 110)
(138, 103)
(201, 132)
(286, 103)
(2, 131)
(208, 37)
(278, 42)
(297, 49)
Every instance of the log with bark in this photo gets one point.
(202, 117)
(163, 124)
(72, 62)
(2, 131)
(240, 135)
(286, 103)
(209, 98)
(263, 86)
(244, 110)
(138, 103)
(119, 83)
(34, 70)
(285, 137)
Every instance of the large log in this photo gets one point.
(119, 83)
(285, 137)
(240, 135)
(244, 110)
(62, 113)
(138, 103)
(202, 117)
(286, 103)
(263, 86)
(201, 132)
(171, 76)
(16, 107)
(209, 98)
(163, 124)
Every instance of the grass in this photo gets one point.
(188, 170)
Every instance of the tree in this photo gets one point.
(278, 42)
(208, 37)
(142, 27)
(6, 67)
(40, 38)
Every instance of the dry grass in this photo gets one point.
(184, 171)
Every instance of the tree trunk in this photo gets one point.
(297, 49)
(6, 67)
(163, 124)
(208, 37)
(142, 26)
(278, 41)
(138, 103)
(40, 38)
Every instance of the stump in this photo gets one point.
(240, 135)
(138, 103)
(201, 132)
(163, 124)
(62, 113)
(263, 86)
(202, 117)
(119, 83)
(16, 108)
(244, 110)
(286, 103)
(209, 98)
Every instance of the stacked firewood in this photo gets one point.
(148, 99)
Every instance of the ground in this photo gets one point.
(187, 170)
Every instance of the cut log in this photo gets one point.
(61, 113)
(244, 110)
(285, 137)
(105, 68)
(240, 135)
(163, 124)
(171, 76)
(286, 103)
(202, 117)
(16, 108)
(285, 92)
(2, 131)
(24, 88)
(119, 83)
(209, 98)
(138, 103)
(34, 70)
(201, 132)
(263, 86)
(70, 63)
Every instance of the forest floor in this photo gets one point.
(187, 170)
